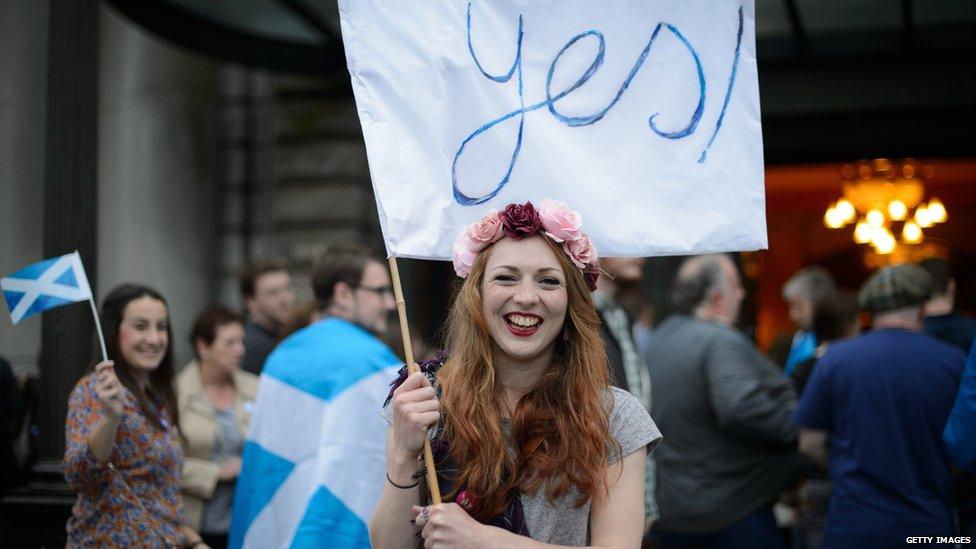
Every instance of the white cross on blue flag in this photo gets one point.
(45, 285)
(315, 459)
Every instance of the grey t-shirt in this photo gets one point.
(561, 522)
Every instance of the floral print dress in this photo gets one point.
(144, 510)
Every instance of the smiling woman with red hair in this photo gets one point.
(531, 442)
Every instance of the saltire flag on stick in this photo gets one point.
(45, 285)
(48, 284)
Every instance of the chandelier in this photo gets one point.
(884, 199)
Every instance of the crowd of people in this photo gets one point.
(551, 415)
(862, 439)
(154, 451)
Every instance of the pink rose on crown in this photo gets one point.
(486, 231)
(581, 251)
(561, 223)
(476, 237)
(463, 255)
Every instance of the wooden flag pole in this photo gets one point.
(435, 490)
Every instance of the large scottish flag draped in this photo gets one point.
(45, 285)
(315, 459)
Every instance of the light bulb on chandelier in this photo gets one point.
(845, 210)
(911, 233)
(937, 211)
(923, 217)
(875, 218)
(863, 232)
(883, 241)
(833, 219)
(897, 210)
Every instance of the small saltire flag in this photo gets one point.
(45, 285)
(315, 458)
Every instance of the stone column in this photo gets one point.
(70, 201)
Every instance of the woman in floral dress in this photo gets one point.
(123, 452)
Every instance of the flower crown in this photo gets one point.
(554, 219)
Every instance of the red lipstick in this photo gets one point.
(522, 331)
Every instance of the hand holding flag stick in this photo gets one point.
(432, 485)
(109, 390)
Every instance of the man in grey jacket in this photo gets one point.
(729, 445)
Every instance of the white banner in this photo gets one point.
(643, 116)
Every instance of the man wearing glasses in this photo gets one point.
(315, 459)
(351, 284)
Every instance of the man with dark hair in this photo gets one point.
(270, 302)
(728, 450)
(941, 320)
(874, 411)
(802, 291)
(315, 461)
(351, 283)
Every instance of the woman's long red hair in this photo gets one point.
(560, 428)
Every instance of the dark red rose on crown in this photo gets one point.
(520, 221)
(591, 273)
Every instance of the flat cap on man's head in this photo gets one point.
(895, 287)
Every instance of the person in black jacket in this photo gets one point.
(12, 412)
(269, 298)
(724, 409)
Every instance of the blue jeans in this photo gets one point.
(757, 530)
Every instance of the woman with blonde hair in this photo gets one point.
(532, 445)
